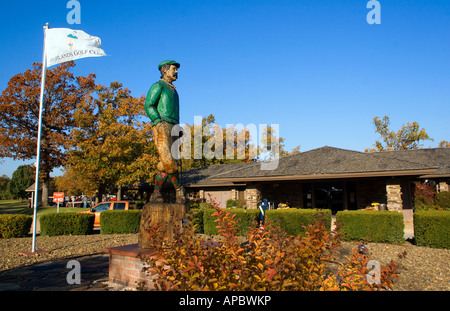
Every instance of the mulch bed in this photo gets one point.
(423, 269)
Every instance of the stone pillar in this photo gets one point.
(394, 196)
(234, 194)
(252, 196)
(443, 186)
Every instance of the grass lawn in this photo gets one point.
(15, 207)
(21, 207)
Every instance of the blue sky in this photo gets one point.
(316, 68)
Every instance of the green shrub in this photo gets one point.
(120, 222)
(290, 220)
(66, 224)
(205, 205)
(139, 204)
(241, 203)
(424, 207)
(442, 200)
(294, 221)
(431, 228)
(423, 194)
(196, 215)
(231, 203)
(371, 226)
(245, 219)
(421, 203)
(193, 205)
(15, 226)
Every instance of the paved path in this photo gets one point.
(409, 225)
(52, 276)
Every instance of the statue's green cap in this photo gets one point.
(168, 62)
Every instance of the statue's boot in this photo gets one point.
(156, 197)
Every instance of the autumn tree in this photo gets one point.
(71, 184)
(408, 137)
(111, 144)
(206, 144)
(19, 114)
(444, 144)
(272, 145)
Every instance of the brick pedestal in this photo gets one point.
(126, 264)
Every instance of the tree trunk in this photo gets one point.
(119, 193)
(45, 183)
(100, 192)
(44, 198)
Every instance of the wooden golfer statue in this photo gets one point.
(162, 107)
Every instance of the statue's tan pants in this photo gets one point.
(164, 141)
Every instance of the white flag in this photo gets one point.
(64, 44)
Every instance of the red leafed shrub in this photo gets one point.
(423, 195)
(269, 259)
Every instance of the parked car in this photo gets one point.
(106, 206)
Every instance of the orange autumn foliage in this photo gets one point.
(269, 260)
(19, 111)
(111, 144)
(19, 115)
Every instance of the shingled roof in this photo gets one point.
(202, 176)
(330, 162)
(436, 157)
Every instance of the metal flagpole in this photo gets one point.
(38, 155)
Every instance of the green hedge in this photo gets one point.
(291, 220)
(245, 218)
(66, 224)
(205, 205)
(442, 199)
(196, 216)
(139, 204)
(120, 222)
(371, 226)
(15, 226)
(432, 228)
(231, 203)
(294, 221)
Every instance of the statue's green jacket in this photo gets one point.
(162, 104)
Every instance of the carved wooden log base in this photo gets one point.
(169, 215)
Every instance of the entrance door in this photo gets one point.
(329, 195)
(218, 196)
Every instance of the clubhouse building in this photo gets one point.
(326, 177)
